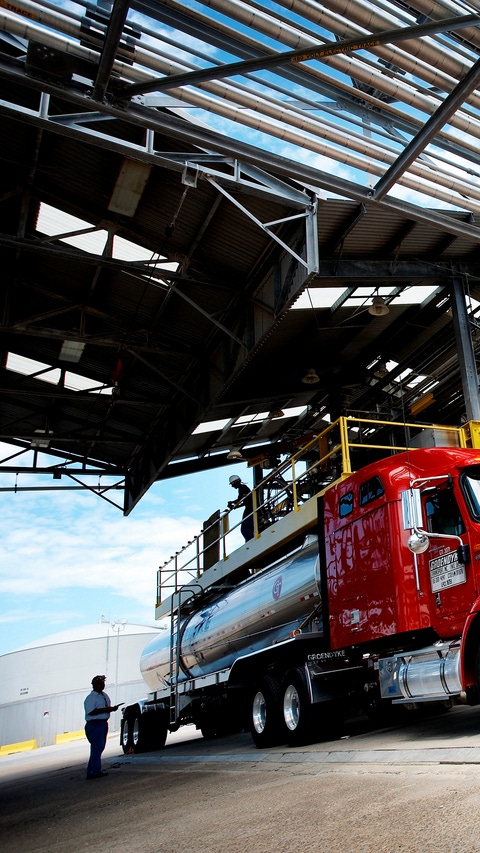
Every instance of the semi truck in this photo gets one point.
(360, 590)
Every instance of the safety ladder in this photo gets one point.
(174, 663)
(175, 643)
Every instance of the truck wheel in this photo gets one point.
(157, 730)
(266, 719)
(143, 732)
(126, 735)
(297, 709)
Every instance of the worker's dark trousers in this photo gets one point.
(96, 732)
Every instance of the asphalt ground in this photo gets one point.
(411, 786)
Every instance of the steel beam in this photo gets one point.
(466, 355)
(212, 141)
(112, 40)
(319, 51)
(428, 132)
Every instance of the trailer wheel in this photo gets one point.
(266, 718)
(157, 730)
(126, 734)
(297, 709)
(143, 732)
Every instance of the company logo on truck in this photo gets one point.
(277, 588)
(319, 656)
(446, 571)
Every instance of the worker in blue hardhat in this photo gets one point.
(245, 500)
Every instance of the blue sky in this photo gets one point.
(67, 558)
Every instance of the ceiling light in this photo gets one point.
(378, 308)
(234, 453)
(381, 370)
(129, 187)
(310, 377)
(276, 413)
(71, 351)
(40, 443)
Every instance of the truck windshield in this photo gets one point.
(470, 483)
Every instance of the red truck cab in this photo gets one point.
(377, 587)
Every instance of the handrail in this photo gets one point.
(322, 461)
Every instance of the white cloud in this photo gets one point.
(68, 557)
(87, 549)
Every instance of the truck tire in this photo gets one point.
(266, 718)
(304, 722)
(143, 732)
(126, 735)
(298, 712)
(157, 730)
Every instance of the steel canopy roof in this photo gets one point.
(176, 178)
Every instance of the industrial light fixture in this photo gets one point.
(234, 453)
(42, 442)
(381, 370)
(71, 351)
(276, 413)
(378, 308)
(310, 377)
(129, 187)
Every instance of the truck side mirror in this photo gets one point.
(412, 509)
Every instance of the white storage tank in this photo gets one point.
(45, 683)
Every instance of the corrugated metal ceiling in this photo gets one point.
(352, 164)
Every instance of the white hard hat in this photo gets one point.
(233, 478)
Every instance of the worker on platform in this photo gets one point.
(245, 500)
(97, 712)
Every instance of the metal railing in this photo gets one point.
(323, 460)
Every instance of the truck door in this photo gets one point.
(451, 582)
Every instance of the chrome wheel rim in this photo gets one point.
(259, 712)
(125, 733)
(291, 707)
(136, 731)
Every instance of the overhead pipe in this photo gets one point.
(417, 145)
(435, 9)
(360, 162)
(367, 18)
(283, 115)
(372, 77)
(314, 128)
(366, 15)
(434, 75)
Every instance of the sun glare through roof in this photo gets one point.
(213, 426)
(53, 375)
(83, 235)
(326, 297)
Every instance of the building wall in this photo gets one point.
(43, 718)
(44, 686)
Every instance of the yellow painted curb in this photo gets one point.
(23, 746)
(66, 737)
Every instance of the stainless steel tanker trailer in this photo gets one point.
(361, 593)
(225, 642)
